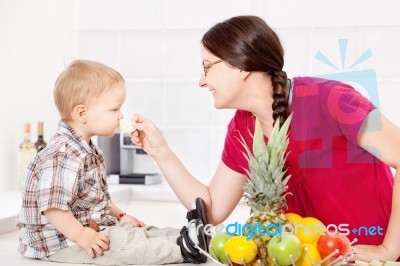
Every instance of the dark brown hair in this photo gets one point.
(248, 43)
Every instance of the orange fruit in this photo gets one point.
(293, 217)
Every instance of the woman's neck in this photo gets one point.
(260, 105)
(260, 102)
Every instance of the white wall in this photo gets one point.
(155, 45)
(36, 39)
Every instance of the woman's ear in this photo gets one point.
(244, 74)
(80, 113)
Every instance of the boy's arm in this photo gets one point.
(66, 223)
(122, 216)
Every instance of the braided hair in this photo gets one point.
(279, 94)
(248, 43)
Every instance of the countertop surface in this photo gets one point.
(11, 199)
(154, 204)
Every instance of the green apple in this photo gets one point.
(216, 248)
(281, 247)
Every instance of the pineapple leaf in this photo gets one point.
(266, 187)
(258, 141)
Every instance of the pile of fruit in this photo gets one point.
(301, 247)
(265, 193)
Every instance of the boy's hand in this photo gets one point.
(66, 223)
(93, 242)
(132, 220)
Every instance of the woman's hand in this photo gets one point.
(146, 135)
(132, 220)
(369, 253)
(93, 242)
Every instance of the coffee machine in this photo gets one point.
(128, 161)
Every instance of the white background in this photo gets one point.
(155, 46)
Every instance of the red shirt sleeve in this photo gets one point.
(346, 110)
(234, 153)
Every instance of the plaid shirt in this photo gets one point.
(69, 174)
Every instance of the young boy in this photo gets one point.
(67, 214)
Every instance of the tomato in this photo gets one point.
(328, 243)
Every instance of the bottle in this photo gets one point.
(40, 143)
(26, 154)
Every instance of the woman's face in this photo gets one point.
(222, 80)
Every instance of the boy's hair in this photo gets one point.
(82, 82)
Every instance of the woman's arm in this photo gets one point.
(225, 190)
(382, 138)
(66, 223)
(221, 196)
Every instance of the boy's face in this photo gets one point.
(104, 114)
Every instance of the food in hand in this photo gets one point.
(281, 248)
(126, 128)
(216, 248)
(94, 225)
(239, 248)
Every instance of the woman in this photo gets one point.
(341, 146)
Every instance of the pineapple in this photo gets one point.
(266, 188)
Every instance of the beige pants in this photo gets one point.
(128, 245)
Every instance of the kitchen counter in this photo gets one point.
(154, 204)
(119, 193)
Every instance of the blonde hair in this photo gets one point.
(82, 82)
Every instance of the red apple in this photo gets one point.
(281, 247)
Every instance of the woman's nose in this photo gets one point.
(202, 81)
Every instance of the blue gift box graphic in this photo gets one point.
(365, 82)
(366, 79)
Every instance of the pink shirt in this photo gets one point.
(332, 177)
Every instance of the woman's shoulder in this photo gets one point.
(241, 124)
(307, 80)
(318, 85)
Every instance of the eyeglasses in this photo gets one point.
(207, 67)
